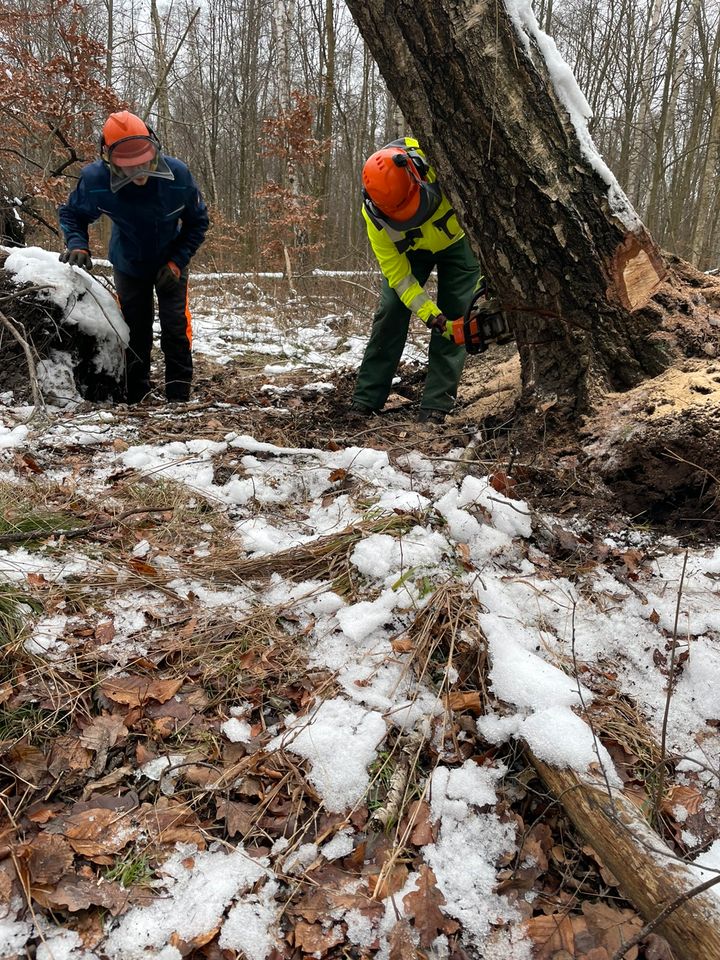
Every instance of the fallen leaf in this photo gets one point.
(338, 475)
(47, 858)
(612, 927)
(239, 817)
(134, 691)
(656, 948)
(402, 945)
(464, 700)
(419, 822)
(105, 631)
(96, 832)
(387, 883)
(550, 935)
(187, 946)
(503, 483)
(144, 569)
(104, 732)
(28, 763)
(688, 797)
(75, 893)
(311, 938)
(423, 905)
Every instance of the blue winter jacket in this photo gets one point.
(160, 221)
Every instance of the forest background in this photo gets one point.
(275, 104)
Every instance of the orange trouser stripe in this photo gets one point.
(188, 315)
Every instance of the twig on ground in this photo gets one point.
(664, 914)
(32, 371)
(662, 766)
(72, 532)
(588, 719)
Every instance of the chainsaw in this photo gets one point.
(484, 322)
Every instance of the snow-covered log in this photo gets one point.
(649, 874)
(72, 323)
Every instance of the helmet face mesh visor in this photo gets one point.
(132, 152)
(136, 158)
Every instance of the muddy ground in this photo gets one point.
(594, 477)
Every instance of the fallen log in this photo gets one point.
(649, 874)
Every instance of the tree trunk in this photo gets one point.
(571, 262)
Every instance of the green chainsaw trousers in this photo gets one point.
(458, 273)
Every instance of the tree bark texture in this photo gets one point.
(575, 279)
(642, 863)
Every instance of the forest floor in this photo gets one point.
(270, 675)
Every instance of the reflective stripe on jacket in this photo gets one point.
(160, 221)
(391, 247)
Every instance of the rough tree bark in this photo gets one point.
(569, 259)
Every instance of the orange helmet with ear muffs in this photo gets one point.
(128, 141)
(131, 151)
(392, 182)
(395, 187)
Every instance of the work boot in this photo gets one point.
(358, 411)
(426, 415)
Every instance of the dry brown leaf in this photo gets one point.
(423, 905)
(503, 483)
(104, 732)
(537, 845)
(389, 882)
(134, 691)
(337, 475)
(402, 945)
(68, 755)
(551, 934)
(144, 569)
(105, 631)
(47, 858)
(688, 797)
(403, 645)
(239, 817)
(187, 946)
(464, 700)
(612, 927)
(656, 948)
(75, 893)
(419, 821)
(97, 832)
(28, 763)
(41, 812)
(311, 938)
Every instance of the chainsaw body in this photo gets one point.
(484, 323)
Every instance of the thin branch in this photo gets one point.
(168, 68)
(662, 763)
(73, 532)
(664, 914)
(32, 371)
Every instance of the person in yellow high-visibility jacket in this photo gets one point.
(413, 229)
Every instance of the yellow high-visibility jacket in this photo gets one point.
(390, 246)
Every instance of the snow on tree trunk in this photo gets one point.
(504, 122)
(73, 324)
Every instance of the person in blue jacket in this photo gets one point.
(159, 219)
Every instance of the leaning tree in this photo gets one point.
(505, 124)
(597, 309)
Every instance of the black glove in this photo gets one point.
(168, 277)
(77, 258)
(440, 323)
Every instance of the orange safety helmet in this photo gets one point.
(392, 182)
(129, 142)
